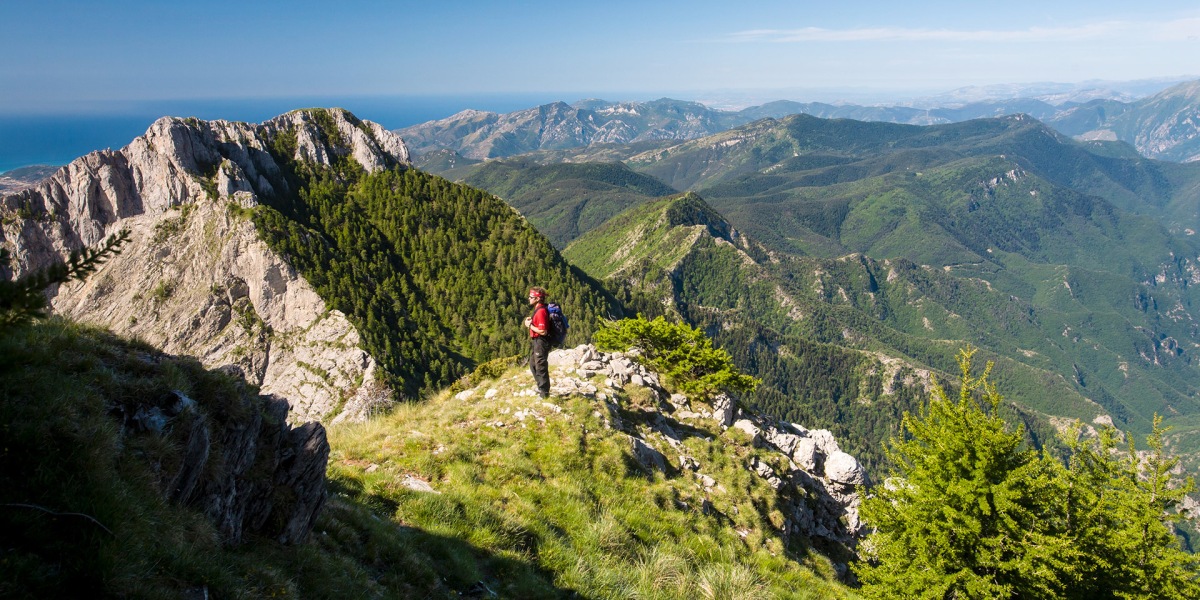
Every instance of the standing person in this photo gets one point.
(539, 327)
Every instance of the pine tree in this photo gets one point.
(972, 513)
(24, 299)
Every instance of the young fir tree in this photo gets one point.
(24, 299)
(964, 516)
(1119, 509)
(971, 513)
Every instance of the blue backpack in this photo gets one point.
(558, 325)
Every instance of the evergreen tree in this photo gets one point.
(964, 517)
(971, 512)
(24, 299)
(1120, 509)
(683, 354)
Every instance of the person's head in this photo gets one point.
(536, 294)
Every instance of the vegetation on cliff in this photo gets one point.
(433, 274)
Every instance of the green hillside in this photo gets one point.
(1090, 243)
(839, 343)
(565, 200)
(433, 274)
(826, 334)
(1078, 263)
(527, 499)
(797, 150)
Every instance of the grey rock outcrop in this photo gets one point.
(195, 279)
(481, 135)
(244, 467)
(820, 485)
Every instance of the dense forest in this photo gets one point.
(432, 273)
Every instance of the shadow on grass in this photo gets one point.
(364, 523)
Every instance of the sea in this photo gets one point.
(57, 138)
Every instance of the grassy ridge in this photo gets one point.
(565, 200)
(551, 485)
(554, 506)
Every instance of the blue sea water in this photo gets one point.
(59, 138)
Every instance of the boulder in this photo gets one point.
(724, 410)
(845, 469)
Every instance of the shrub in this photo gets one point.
(683, 354)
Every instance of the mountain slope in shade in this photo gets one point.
(567, 199)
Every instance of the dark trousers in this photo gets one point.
(539, 364)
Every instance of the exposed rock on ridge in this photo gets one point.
(822, 481)
(194, 278)
(479, 135)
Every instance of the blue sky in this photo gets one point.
(69, 55)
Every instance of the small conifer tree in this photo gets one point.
(24, 299)
(681, 353)
(970, 512)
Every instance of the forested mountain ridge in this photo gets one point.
(301, 254)
(194, 278)
(1007, 204)
(845, 344)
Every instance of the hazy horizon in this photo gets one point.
(66, 55)
(55, 137)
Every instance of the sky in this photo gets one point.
(79, 56)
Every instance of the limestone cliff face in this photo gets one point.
(194, 278)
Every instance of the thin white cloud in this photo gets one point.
(1185, 29)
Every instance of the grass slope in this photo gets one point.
(551, 485)
(565, 200)
(551, 506)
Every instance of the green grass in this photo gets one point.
(551, 506)
(553, 488)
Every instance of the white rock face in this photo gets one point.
(195, 279)
(843, 468)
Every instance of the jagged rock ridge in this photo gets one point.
(195, 278)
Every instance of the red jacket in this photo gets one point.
(540, 320)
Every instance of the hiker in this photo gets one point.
(539, 327)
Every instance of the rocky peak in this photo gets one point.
(195, 279)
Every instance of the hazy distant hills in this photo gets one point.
(479, 135)
(1164, 126)
(1161, 126)
(25, 177)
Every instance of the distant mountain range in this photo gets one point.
(1162, 126)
